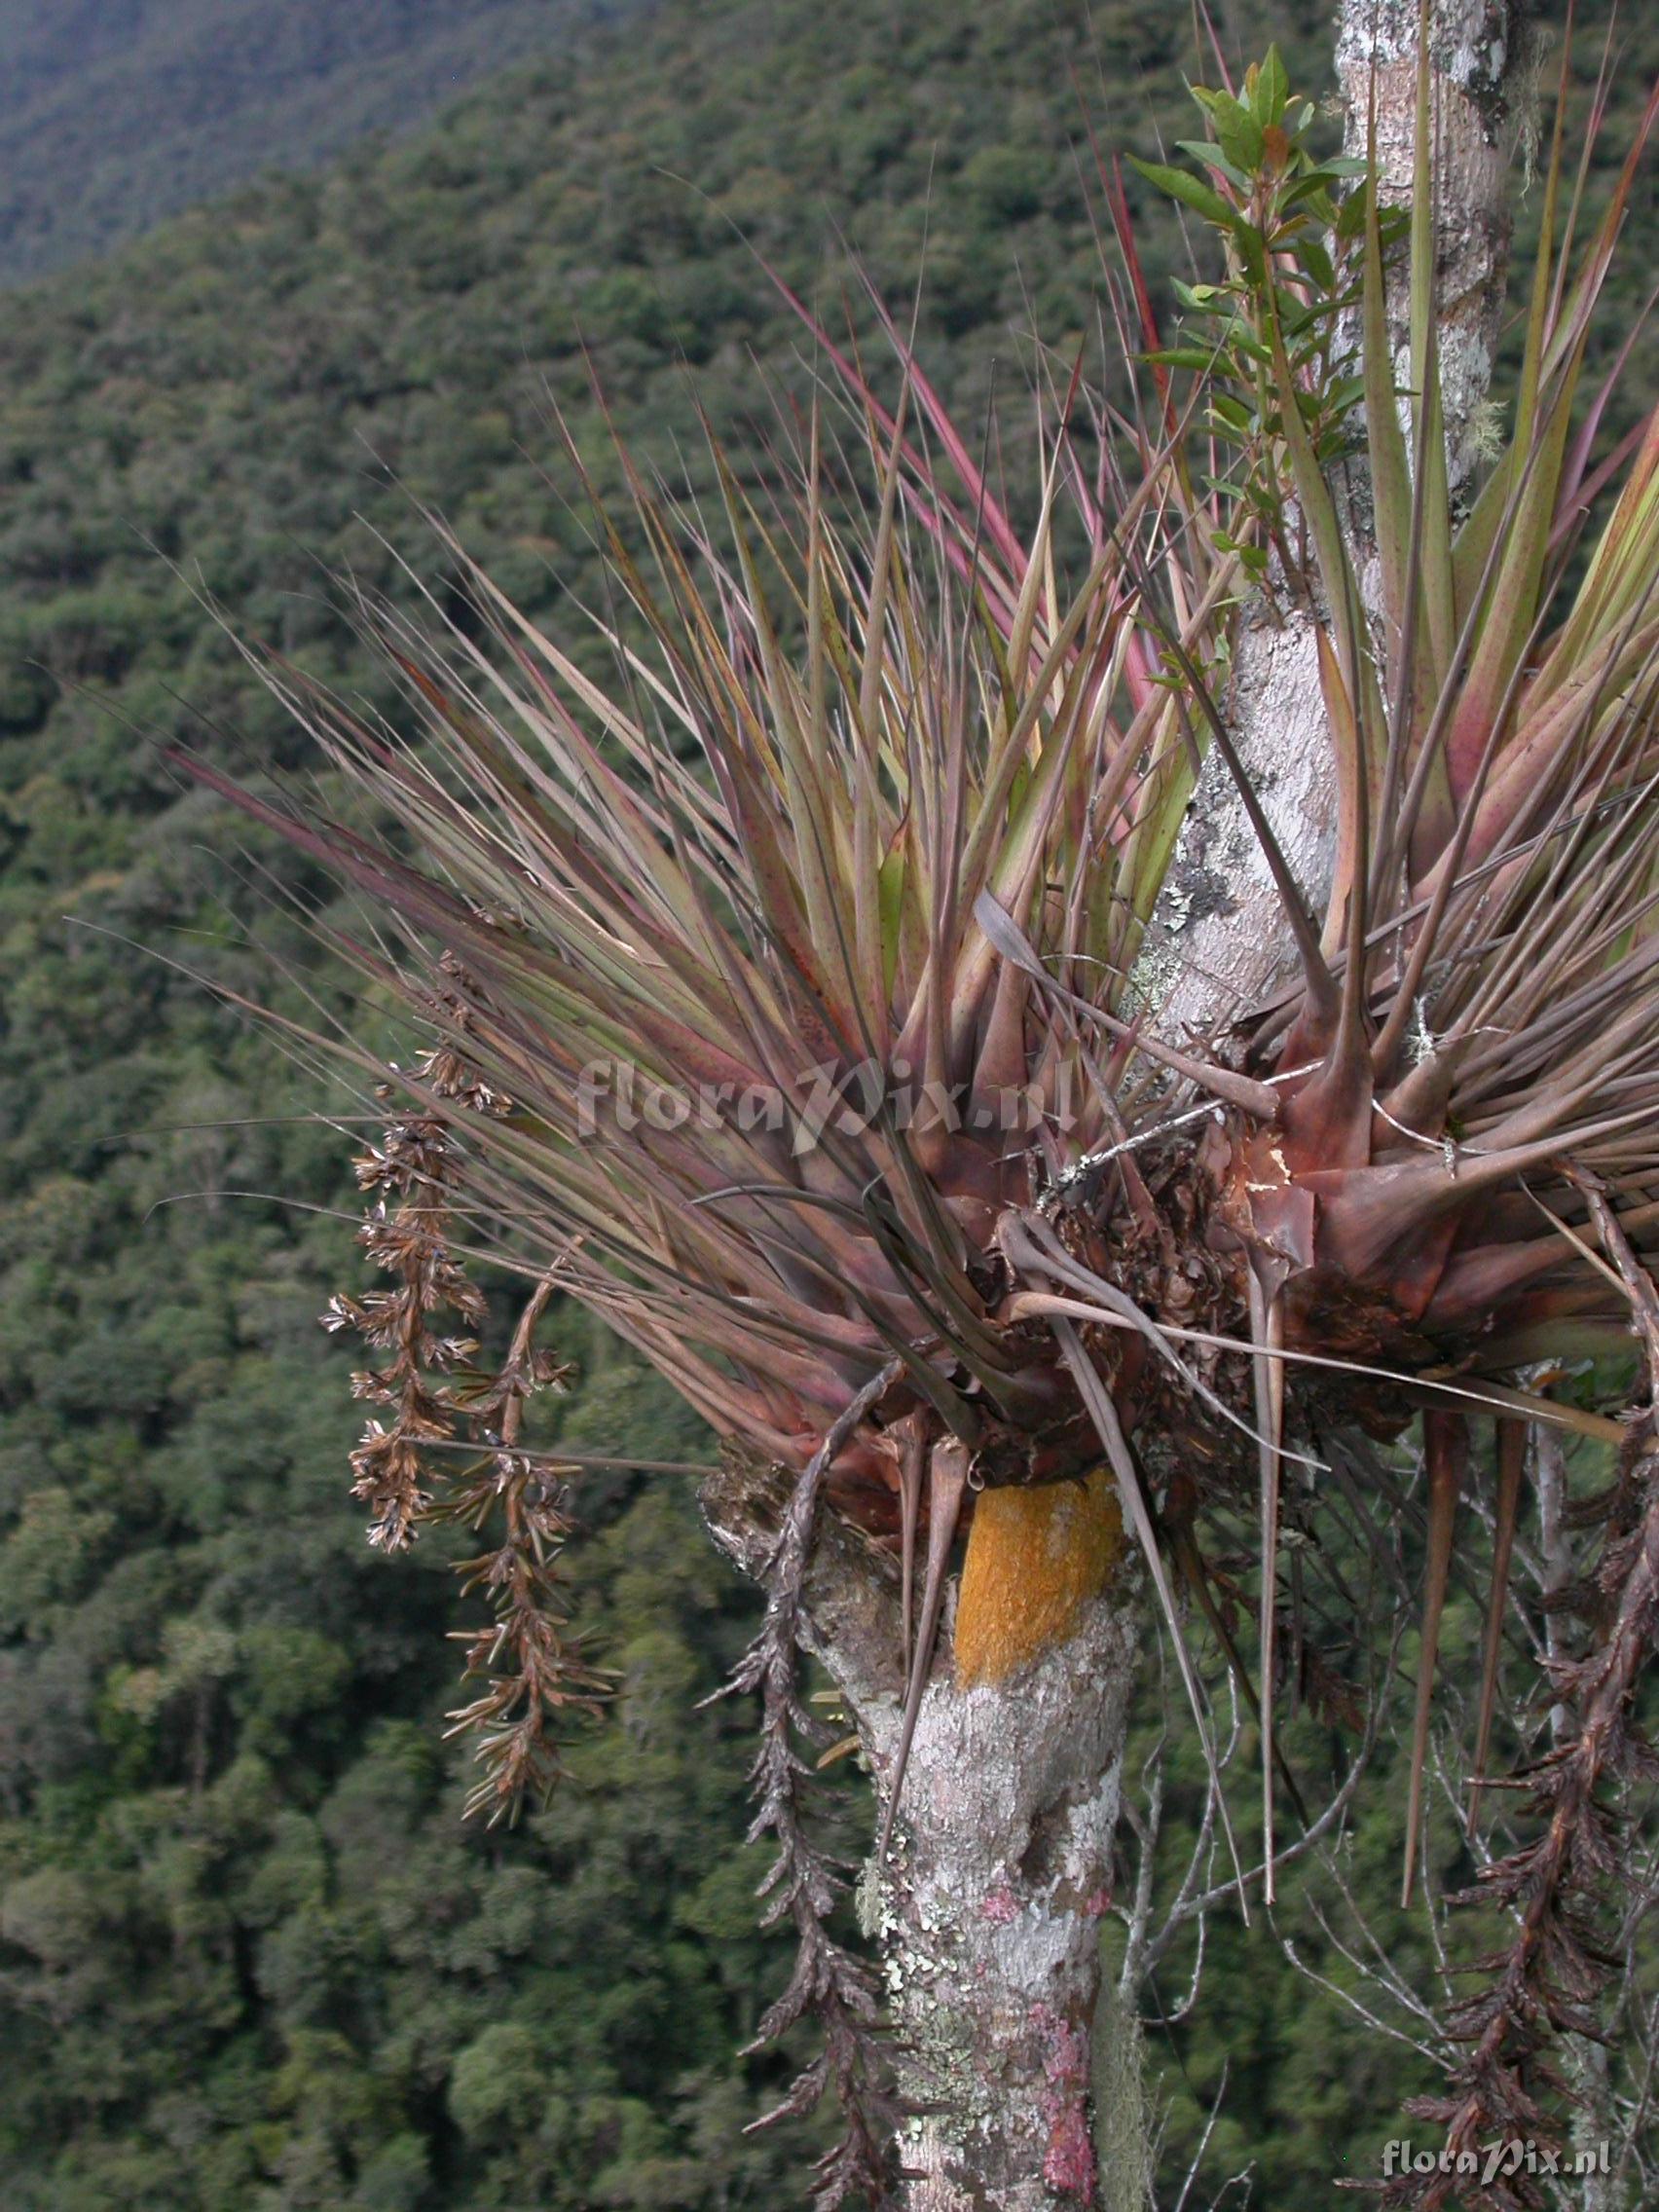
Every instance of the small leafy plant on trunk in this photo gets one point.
(795, 1000)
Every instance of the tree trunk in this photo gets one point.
(988, 1911)
(1218, 942)
(986, 1920)
(986, 1917)
(1472, 49)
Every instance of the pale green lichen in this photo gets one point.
(1122, 2147)
(1486, 429)
(942, 2056)
(871, 1896)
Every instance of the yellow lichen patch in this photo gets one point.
(1035, 1556)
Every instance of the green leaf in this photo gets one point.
(1239, 135)
(1317, 263)
(1252, 252)
(1201, 358)
(1233, 411)
(1428, 419)
(1352, 215)
(1269, 94)
(1208, 156)
(1304, 191)
(1336, 571)
(1243, 340)
(1191, 191)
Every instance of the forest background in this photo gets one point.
(250, 1955)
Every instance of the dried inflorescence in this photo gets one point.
(437, 1399)
(532, 1670)
(410, 1175)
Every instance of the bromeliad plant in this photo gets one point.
(805, 950)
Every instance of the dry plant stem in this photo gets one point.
(1445, 1450)
(533, 1673)
(948, 1480)
(1266, 1326)
(1511, 1459)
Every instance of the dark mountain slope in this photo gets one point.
(114, 113)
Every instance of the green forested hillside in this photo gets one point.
(249, 1958)
(114, 113)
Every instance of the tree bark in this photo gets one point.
(1217, 944)
(987, 1921)
(1472, 51)
(988, 1912)
(987, 1918)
